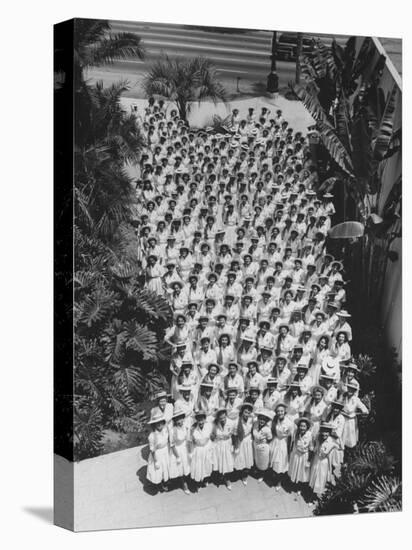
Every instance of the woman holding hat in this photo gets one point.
(282, 430)
(179, 451)
(158, 465)
(351, 405)
(321, 468)
(340, 348)
(319, 357)
(262, 435)
(201, 455)
(243, 445)
(349, 371)
(301, 446)
(222, 434)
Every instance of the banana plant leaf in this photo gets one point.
(347, 230)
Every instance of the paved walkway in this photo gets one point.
(110, 493)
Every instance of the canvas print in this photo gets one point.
(228, 274)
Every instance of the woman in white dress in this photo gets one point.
(179, 450)
(233, 379)
(321, 467)
(232, 404)
(184, 263)
(299, 460)
(316, 409)
(222, 434)
(262, 436)
(336, 419)
(282, 430)
(340, 347)
(321, 353)
(158, 466)
(351, 405)
(225, 353)
(295, 402)
(243, 446)
(154, 274)
(201, 455)
(271, 396)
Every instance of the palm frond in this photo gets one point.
(139, 338)
(334, 146)
(380, 144)
(383, 495)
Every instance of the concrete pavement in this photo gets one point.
(110, 492)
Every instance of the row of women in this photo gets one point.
(232, 234)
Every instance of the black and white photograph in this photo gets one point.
(234, 258)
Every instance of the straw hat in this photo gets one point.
(304, 419)
(156, 417)
(266, 413)
(178, 411)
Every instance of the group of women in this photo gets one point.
(233, 235)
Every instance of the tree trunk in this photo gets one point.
(298, 54)
(182, 107)
(274, 52)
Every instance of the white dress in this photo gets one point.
(159, 445)
(299, 465)
(244, 455)
(178, 438)
(321, 469)
(261, 447)
(223, 447)
(279, 457)
(201, 464)
(350, 434)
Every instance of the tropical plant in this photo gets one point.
(355, 124)
(95, 45)
(368, 483)
(184, 81)
(118, 324)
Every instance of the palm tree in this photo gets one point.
(355, 125)
(184, 81)
(298, 56)
(119, 326)
(95, 45)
